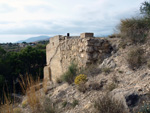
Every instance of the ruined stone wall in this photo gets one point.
(53, 58)
(73, 50)
(83, 50)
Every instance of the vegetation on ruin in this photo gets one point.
(70, 74)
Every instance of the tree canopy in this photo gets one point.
(29, 60)
(145, 8)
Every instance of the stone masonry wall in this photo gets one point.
(83, 50)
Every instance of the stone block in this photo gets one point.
(84, 35)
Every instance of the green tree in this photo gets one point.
(30, 60)
(145, 8)
(2, 51)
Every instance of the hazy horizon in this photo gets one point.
(16, 38)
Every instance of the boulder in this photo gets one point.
(129, 97)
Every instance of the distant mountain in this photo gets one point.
(34, 39)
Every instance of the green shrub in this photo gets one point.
(106, 104)
(135, 29)
(136, 58)
(70, 74)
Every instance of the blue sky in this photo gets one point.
(21, 19)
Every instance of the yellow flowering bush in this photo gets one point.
(80, 79)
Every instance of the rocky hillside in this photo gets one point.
(116, 78)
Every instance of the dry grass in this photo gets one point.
(136, 58)
(6, 106)
(34, 96)
(24, 103)
(106, 104)
(95, 86)
(111, 86)
(49, 106)
(106, 70)
(123, 44)
(30, 87)
(82, 87)
(17, 110)
(114, 36)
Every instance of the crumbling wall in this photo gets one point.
(83, 50)
(53, 58)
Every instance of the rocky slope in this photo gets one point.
(112, 76)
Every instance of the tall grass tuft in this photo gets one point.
(106, 104)
(136, 58)
(6, 105)
(30, 87)
(34, 97)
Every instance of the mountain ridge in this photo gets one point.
(34, 39)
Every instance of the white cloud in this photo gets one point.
(61, 16)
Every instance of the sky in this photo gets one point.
(21, 19)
